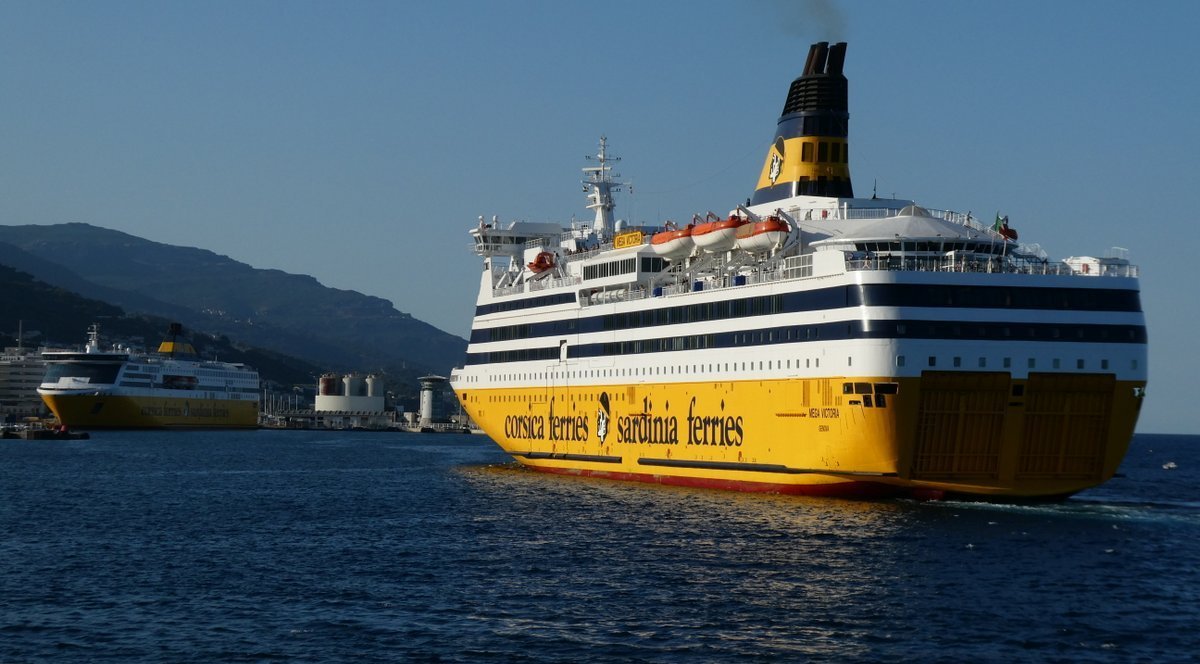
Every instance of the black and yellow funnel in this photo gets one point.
(175, 344)
(810, 155)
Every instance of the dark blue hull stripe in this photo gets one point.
(825, 299)
(525, 303)
(889, 329)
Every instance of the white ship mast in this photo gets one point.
(93, 343)
(599, 185)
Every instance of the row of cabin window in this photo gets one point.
(694, 342)
(898, 295)
(671, 370)
(788, 334)
(940, 247)
(540, 398)
(527, 303)
(694, 313)
(610, 269)
(222, 374)
(1031, 363)
(809, 363)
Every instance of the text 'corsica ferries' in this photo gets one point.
(807, 342)
(123, 389)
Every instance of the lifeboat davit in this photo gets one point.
(762, 235)
(718, 235)
(542, 262)
(673, 243)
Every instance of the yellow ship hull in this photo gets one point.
(106, 411)
(985, 435)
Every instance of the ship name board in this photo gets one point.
(571, 428)
(630, 239)
(647, 427)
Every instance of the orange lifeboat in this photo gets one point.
(673, 243)
(762, 235)
(542, 262)
(718, 234)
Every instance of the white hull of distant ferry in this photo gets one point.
(121, 389)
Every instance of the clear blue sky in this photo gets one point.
(357, 142)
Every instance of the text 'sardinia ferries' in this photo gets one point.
(807, 342)
(123, 389)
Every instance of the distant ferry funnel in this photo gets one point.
(810, 154)
(175, 344)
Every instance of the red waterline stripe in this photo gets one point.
(850, 489)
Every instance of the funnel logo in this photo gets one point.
(602, 416)
(776, 167)
(776, 160)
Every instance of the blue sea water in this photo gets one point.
(322, 547)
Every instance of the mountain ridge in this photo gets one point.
(59, 317)
(268, 308)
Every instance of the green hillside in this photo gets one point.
(288, 313)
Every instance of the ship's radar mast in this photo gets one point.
(599, 184)
(93, 343)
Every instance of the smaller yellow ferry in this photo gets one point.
(122, 389)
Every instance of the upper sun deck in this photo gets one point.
(824, 238)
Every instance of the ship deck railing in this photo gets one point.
(536, 285)
(551, 284)
(866, 214)
(980, 264)
(800, 267)
(723, 281)
(593, 298)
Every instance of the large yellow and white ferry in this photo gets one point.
(123, 389)
(806, 342)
